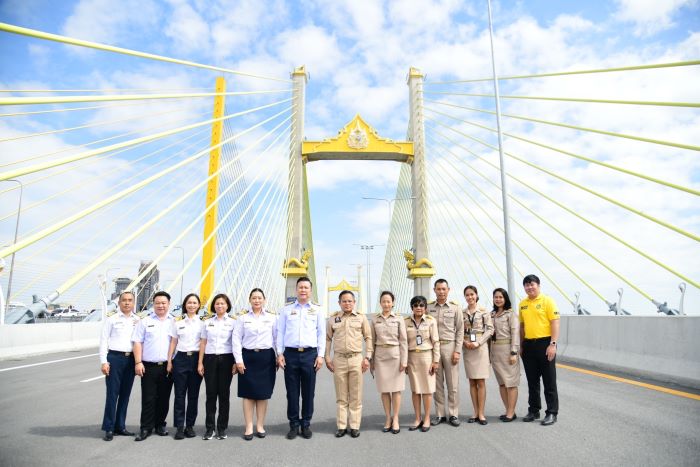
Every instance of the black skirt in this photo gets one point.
(258, 381)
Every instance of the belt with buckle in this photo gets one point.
(420, 350)
(387, 345)
(191, 353)
(300, 349)
(254, 350)
(502, 341)
(445, 341)
(155, 363)
(347, 355)
(118, 352)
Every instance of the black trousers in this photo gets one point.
(118, 383)
(187, 382)
(537, 366)
(217, 377)
(156, 385)
(300, 378)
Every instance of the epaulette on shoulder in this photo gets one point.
(428, 317)
(142, 314)
(233, 315)
(289, 302)
(243, 312)
(431, 302)
(377, 315)
(452, 302)
(407, 317)
(336, 313)
(272, 312)
(111, 313)
(180, 318)
(207, 316)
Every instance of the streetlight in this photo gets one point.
(182, 276)
(368, 249)
(12, 261)
(388, 203)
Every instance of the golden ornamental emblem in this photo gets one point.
(357, 139)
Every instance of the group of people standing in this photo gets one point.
(427, 345)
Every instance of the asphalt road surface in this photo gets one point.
(51, 415)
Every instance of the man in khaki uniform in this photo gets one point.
(451, 330)
(346, 329)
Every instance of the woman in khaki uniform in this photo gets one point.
(504, 351)
(390, 359)
(478, 329)
(423, 359)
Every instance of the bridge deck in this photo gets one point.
(50, 417)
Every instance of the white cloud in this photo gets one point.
(651, 16)
(312, 46)
(187, 29)
(103, 21)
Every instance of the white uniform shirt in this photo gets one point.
(154, 334)
(187, 331)
(254, 332)
(116, 333)
(301, 326)
(218, 333)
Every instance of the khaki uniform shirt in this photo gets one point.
(507, 328)
(346, 332)
(480, 323)
(450, 322)
(428, 330)
(390, 331)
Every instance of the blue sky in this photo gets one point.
(358, 54)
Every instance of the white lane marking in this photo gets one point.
(92, 379)
(46, 363)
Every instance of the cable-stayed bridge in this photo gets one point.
(213, 178)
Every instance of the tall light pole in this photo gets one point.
(182, 276)
(12, 261)
(389, 201)
(368, 249)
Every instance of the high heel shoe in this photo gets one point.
(414, 428)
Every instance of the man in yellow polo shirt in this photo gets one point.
(539, 330)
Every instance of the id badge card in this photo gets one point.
(419, 339)
(472, 337)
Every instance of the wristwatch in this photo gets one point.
(554, 343)
(513, 352)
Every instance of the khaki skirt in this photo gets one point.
(476, 362)
(506, 374)
(418, 366)
(387, 361)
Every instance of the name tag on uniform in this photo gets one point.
(337, 319)
(472, 337)
(419, 339)
(181, 327)
(293, 313)
(211, 325)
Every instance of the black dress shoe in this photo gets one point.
(438, 420)
(189, 432)
(386, 429)
(293, 432)
(472, 420)
(161, 431)
(109, 436)
(248, 437)
(506, 419)
(425, 429)
(355, 433)
(531, 416)
(454, 421)
(306, 432)
(483, 421)
(501, 417)
(340, 433)
(180, 434)
(260, 434)
(143, 434)
(123, 432)
(396, 431)
(549, 419)
(414, 428)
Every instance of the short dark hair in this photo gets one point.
(187, 297)
(531, 278)
(472, 287)
(256, 289)
(133, 295)
(506, 305)
(161, 293)
(305, 279)
(419, 300)
(441, 281)
(386, 292)
(345, 292)
(225, 298)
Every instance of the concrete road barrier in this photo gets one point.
(664, 348)
(20, 340)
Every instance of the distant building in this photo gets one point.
(120, 285)
(147, 286)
